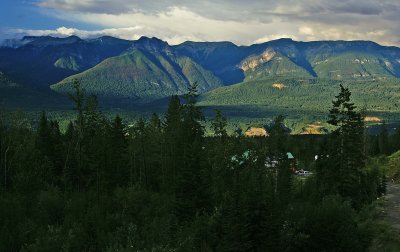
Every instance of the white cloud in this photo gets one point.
(273, 37)
(319, 32)
(178, 24)
(242, 22)
(131, 33)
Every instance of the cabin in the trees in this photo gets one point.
(272, 163)
(292, 161)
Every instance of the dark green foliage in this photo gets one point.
(192, 191)
(344, 167)
(218, 125)
(328, 226)
(383, 141)
(118, 169)
(172, 143)
(301, 95)
(162, 185)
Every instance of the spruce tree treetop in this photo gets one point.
(343, 109)
(218, 124)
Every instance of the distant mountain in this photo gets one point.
(285, 75)
(38, 62)
(222, 58)
(149, 70)
(341, 60)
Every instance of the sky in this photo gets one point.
(175, 21)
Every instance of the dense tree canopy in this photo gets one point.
(162, 185)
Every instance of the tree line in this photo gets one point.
(162, 185)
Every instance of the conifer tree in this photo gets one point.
(347, 153)
(218, 125)
(78, 97)
(278, 152)
(173, 144)
(141, 135)
(384, 144)
(192, 193)
(117, 171)
(395, 140)
(219, 153)
(156, 145)
(43, 139)
(48, 142)
(192, 116)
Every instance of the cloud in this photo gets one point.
(332, 33)
(243, 22)
(228, 9)
(177, 24)
(130, 33)
(273, 37)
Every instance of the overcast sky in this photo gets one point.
(242, 22)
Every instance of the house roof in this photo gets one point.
(290, 155)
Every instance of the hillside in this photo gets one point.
(356, 66)
(147, 72)
(312, 95)
(6, 82)
(222, 58)
(271, 64)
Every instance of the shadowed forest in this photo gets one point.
(163, 185)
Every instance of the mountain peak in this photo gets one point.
(153, 44)
(154, 40)
(284, 40)
(49, 40)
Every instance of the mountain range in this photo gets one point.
(149, 69)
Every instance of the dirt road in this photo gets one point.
(392, 206)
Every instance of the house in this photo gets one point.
(270, 162)
(292, 161)
(290, 156)
(273, 163)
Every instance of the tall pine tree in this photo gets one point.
(346, 157)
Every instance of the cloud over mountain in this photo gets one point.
(243, 22)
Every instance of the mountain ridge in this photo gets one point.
(149, 68)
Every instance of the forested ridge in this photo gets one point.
(162, 185)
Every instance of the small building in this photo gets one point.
(292, 161)
(273, 163)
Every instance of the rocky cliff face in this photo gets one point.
(254, 61)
